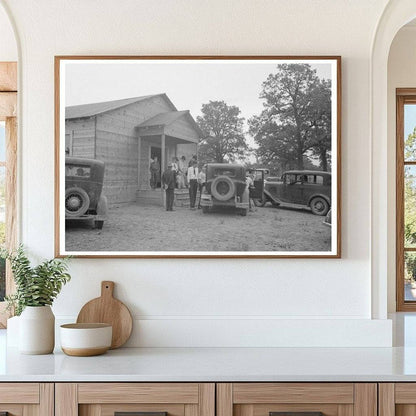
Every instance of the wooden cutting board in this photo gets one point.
(107, 309)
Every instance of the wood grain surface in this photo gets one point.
(107, 309)
(110, 393)
(252, 393)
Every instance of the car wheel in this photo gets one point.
(205, 210)
(77, 202)
(222, 188)
(319, 206)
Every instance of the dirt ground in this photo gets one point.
(151, 228)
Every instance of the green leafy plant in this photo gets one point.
(35, 286)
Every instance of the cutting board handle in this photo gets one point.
(107, 289)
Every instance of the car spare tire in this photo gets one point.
(222, 188)
(77, 202)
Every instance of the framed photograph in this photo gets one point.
(198, 156)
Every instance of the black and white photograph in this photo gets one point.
(198, 156)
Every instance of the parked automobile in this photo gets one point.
(84, 199)
(328, 219)
(225, 187)
(299, 189)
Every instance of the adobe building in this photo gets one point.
(126, 134)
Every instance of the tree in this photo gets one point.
(224, 139)
(296, 120)
(410, 191)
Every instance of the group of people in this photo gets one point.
(178, 175)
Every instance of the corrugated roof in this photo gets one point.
(163, 119)
(88, 110)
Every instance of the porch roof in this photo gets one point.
(171, 124)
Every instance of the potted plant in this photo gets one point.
(36, 289)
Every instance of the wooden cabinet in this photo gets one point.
(208, 399)
(106, 399)
(397, 399)
(297, 399)
(27, 399)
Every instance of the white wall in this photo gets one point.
(179, 302)
(8, 47)
(401, 74)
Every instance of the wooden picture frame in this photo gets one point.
(120, 110)
(8, 115)
(404, 96)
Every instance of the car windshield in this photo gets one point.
(79, 171)
(224, 172)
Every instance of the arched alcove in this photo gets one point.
(8, 44)
(396, 14)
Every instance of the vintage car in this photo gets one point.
(299, 189)
(225, 187)
(328, 219)
(84, 199)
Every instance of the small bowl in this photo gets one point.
(84, 340)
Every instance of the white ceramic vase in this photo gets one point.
(37, 330)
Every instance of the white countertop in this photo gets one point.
(213, 364)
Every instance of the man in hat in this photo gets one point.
(168, 183)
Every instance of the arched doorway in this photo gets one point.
(396, 14)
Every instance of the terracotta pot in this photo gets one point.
(37, 330)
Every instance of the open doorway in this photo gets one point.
(402, 126)
(156, 157)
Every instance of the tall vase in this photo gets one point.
(37, 330)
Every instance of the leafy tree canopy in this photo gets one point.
(224, 139)
(296, 119)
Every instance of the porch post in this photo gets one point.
(163, 161)
(162, 165)
(139, 157)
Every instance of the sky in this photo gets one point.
(409, 119)
(188, 84)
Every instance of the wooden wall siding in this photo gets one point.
(117, 147)
(120, 154)
(125, 119)
(183, 129)
(83, 137)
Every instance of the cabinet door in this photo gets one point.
(397, 399)
(144, 399)
(296, 399)
(26, 399)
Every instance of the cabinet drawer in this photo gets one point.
(297, 399)
(152, 399)
(21, 399)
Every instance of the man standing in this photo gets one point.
(202, 179)
(193, 183)
(168, 183)
(154, 172)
